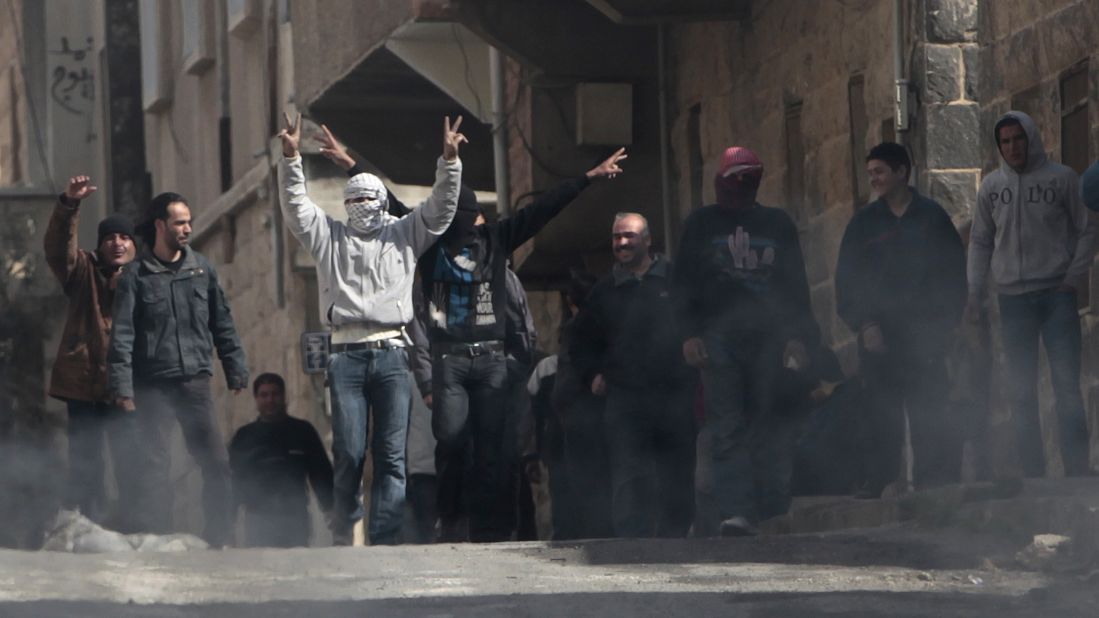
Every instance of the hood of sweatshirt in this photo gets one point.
(1036, 152)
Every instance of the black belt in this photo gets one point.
(382, 344)
(472, 350)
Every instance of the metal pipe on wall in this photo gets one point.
(900, 92)
(498, 85)
(665, 171)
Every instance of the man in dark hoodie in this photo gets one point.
(743, 309)
(79, 376)
(1032, 230)
(463, 277)
(900, 285)
(628, 351)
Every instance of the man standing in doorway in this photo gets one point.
(366, 269)
(1033, 232)
(170, 316)
(900, 285)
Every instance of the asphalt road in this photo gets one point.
(893, 572)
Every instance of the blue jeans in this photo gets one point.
(378, 381)
(749, 439)
(469, 418)
(1052, 315)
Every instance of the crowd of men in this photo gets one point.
(693, 396)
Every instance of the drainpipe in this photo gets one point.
(665, 171)
(499, 132)
(900, 94)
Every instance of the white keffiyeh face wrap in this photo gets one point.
(365, 216)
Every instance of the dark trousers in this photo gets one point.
(651, 435)
(470, 401)
(902, 379)
(421, 500)
(749, 438)
(1051, 315)
(94, 427)
(189, 403)
(582, 496)
(276, 527)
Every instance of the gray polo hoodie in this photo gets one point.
(1032, 227)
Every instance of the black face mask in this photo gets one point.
(463, 230)
(734, 193)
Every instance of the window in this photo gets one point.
(155, 85)
(1074, 138)
(856, 105)
(795, 165)
(1074, 119)
(198, 35)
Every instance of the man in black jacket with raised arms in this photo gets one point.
(463, 278)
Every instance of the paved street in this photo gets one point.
(886, 572)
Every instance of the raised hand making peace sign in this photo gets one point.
(608, 168)
(452, 138)
(290, 136)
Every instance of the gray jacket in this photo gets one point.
(1031, 228)
(367, 280)
(167, 325)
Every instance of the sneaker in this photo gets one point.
(738, 526)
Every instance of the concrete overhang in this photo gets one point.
(639, 12)
(389, 107)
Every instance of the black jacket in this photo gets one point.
(496, 242)
(271, 461)
(761, 290)
(905, 273)
(168, 323)
(626, 331)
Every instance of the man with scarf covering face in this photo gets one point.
(743, 310)
(463, 278)
(365, 271)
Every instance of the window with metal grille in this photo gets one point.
(1074, 140)
(795, 166)
(1074, 118)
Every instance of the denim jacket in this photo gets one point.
(167, 325)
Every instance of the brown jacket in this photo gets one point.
(80, 371)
